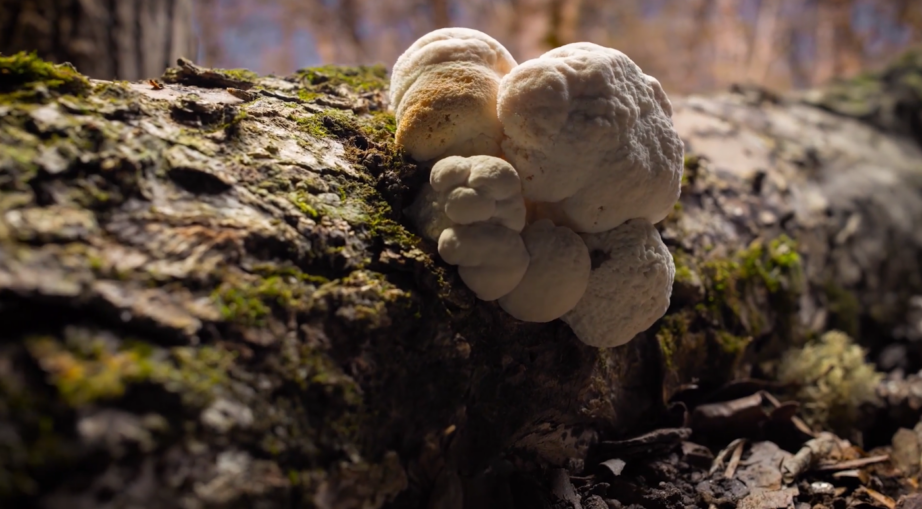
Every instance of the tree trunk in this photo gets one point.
(210, 297)
(103, 39)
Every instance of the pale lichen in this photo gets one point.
(831, 378)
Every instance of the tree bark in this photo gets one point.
(103, 39)
(210, 297)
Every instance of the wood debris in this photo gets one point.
(193, 75)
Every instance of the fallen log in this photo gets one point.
(210, 297)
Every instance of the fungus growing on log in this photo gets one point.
(592, 154)
(628, 290)
(591, 137)
(557, 274)
(443, 93)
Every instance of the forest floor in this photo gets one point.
(746, 449)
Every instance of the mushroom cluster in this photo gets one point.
(547, 178)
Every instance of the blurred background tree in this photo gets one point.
(104, 39)
(690, 45)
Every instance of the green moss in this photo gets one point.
(96, 263)
(300, 200)
(287, 271)
(731, 343)
(312, 125)
(307, 96)
(26, 71)
(239, 74)
(251, 300)
(362, 78)
(380, 127)
(366, 299)
(238, 305)
(743, 294)
(331, 122)
(691, 163)
(233, 126)
(376, 217)
(775, 265)
(722, 283)
(320, 369)
(22, 157)
(113, 90)
(868, 95)
(240, 116)
(670, 335)
(89, 367)
(381, 225)
(913, 82)
(843, 307)
(684, 274)
(194, 372)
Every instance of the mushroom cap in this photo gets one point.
(660, 95)
(443, 46)
(467, 190)
(495, 176)
(591, 136)
(450, 110)
(450, 172)
(629, 287)
(557, 275)
(443, 93)
(479, 189)
(491, 258)
(466, 205)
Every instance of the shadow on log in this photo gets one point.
(209, 297)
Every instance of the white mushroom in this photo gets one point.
(480, 188)
(593, 150)
(491, 258)
(659, 94)
(443, 92)
(466, 190)
(428, 213)
(591, 137)
(629, 287)
(557, 274)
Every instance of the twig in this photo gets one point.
(734, 461)
(812, 452)
(856, 463)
